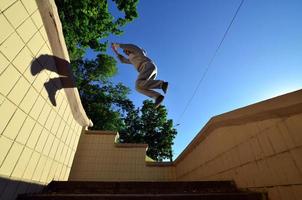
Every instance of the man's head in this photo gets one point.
(127, 52)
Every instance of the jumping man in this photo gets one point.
(145, 82)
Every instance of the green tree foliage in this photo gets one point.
(91, 71)
(151, 126)
(106, 104)
(85, 22)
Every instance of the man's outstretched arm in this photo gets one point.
(129, 47)
(123, 59)
(114, 47)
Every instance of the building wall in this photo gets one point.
(37, 140)
(99, 158)
(260, 147)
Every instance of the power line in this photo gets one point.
(210, 63)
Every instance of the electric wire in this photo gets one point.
(210, 62)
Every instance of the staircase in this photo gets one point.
(202, 190)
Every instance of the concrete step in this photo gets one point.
(205, 196)
(128, 187)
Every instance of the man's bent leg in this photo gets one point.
(150, 93)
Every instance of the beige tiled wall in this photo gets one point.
(99, 159)
(264, 153)
(37, 140)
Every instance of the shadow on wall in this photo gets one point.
(58, 65)
(10, 189)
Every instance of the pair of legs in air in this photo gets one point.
(146, 82)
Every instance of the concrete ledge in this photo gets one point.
(96, 132)
(281, 106)
(131, 145)
(160, 164)
(53, 27)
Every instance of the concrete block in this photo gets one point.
(15, 124)
(50, 120)
(30, 6)
(3, 62)
(27, 30)
(256, 148)
(63, 108)
(37, 107)
(36, 17)
(48, 145)
(38, 83)
(45, 37)
(5, 147)
(294, 125)
(296, 155)
(59, 151)
(240, 177)
(67, 159)
(276, 139)
(266, 124)
(14, 19)
(11, 159)
(63, 173)
(251, 129)
(8, 79)
(7, 110)
(30, 169)
(6, 28)
(34, 136)
(4, 4)
(39, 168)
(51, 175)
(245, 152)
(25, 131)
(69, 138)
(64, 153)
(67, 173)
(29, 100)
(12, 46)
(235, 157)
(61, 129)
(265, 144)
(44, 114)
(288, 140)
(22, 163)
(19, 91)
(35, 43)
(58, 171)
(54, 148)
(56, 124)
(42, 140)
(65, 133)
(284, 169)
(23, 61)
(28, 75)
(46, 171)
(251, 174)
(265, 177)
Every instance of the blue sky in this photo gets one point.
(260, 58)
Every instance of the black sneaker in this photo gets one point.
(164, 87)
(158, 100)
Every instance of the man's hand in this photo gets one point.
(115, 46)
